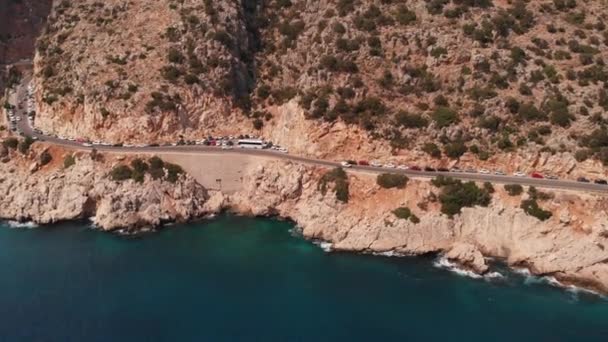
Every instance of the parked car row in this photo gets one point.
(535, 174)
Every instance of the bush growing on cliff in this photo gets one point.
(514, 189)
(456, 195)
(444, 116)
(536, 194)
(24, 146)
(45, 158)
(68, 161)
(341, 185)
(156, 168)
(530, 206)
(432, 150)
(392, 180)
(173, 172)
(120, 173)
(10, 143)
(405, 213)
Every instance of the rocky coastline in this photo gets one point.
(569, 247)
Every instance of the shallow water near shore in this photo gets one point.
(237, 278)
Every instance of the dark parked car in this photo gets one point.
(600, 181)
(363, 162)
(429, 169)
(443, 169)
(414, 168)
(582, 180)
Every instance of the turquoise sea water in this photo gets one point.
(243, 279)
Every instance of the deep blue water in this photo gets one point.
(252, 279)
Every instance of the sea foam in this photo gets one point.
(26, 225)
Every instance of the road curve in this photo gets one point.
(25, 127)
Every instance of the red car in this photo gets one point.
(415, 168)
(363, 162)
(536, 175)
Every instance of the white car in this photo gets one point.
(389, 166)
(499, 173)
(86, 145)
(403, 167)
(226, 147)
(519, 174)
(484, 171)
(345, 164)
(283, 150)
(375, 164)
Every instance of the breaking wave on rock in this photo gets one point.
(324, 245)
(443, 263)
(531, 279)
(26, 225)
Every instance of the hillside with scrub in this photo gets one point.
(437, 80)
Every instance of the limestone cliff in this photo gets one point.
(570, 246)
(53, 193)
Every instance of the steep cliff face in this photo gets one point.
(20, 25)
(570, 246)
(141, 70)
(52, 193)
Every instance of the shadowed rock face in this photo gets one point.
(20, 24)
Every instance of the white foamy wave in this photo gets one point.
(444, 263)
(574, 290)
(530, 279)
(493, 275)
(388, 254)
(26, 225)
(325, 246)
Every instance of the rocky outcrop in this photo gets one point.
(84, 190)
(468, 256)
(572, 250)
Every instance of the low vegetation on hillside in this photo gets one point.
(456, 195)
(339, 179)
(443, 76)
(155, 167)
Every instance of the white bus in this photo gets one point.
(251, 143)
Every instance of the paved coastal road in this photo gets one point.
(24, 126)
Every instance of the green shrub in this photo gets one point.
(45, 158)
(404, 16)
(339, 178)
(121, 172)
(175, 56)
(530, 206)
(10, 143)
(432, 149)
(392, 180)
(456, 195)
(173, 172)
(408, 120)
(405, 213)
(455, 149)
(441, 181)
(24, 146)
(514, 189)
(68, 161)
(444, 116)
